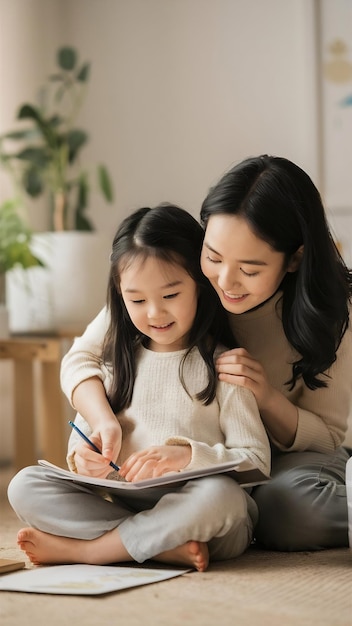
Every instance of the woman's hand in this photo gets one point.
(155, 461)
(108, 440)
(279, 415)
(238, 367)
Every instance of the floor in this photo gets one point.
(273, 589)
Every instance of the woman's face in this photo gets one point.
(244, 270)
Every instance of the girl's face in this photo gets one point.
(161, 300)
(244, 270)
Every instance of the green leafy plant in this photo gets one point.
(50, 146)
(15, 240)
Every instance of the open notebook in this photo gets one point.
(244, 473)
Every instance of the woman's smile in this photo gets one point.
(231, 297)
(244, 270)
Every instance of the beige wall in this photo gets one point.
(180, 90)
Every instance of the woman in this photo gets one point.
(270, 256)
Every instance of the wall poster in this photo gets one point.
(335, 69)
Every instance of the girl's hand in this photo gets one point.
(238, 367)
(155, 461)
(90, 463)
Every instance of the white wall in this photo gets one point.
(26, 49)
(30, 32)
(180, 90)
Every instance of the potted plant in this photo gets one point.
(15, 251)
(44, 156)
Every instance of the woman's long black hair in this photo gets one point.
(283, 207)
(170, 234)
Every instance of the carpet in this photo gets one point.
(268, 588)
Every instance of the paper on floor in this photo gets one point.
(83, 579)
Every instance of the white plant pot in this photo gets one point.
(69, 291)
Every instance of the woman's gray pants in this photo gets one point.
(304, 506)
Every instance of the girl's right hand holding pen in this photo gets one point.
(108, 440)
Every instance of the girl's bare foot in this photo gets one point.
(193, 553)
(42, 548)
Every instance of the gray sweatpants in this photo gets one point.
(212, 509)
(304, 505)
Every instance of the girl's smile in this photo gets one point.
(162, 328)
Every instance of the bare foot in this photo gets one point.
(42, 548)
(194, 553)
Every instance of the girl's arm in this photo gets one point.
(98, 422)
(245, 439)
(241, 438)
(84, 359)
(89, 398)
(84, 378)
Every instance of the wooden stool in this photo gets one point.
(25, 351)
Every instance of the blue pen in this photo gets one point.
(115, 467)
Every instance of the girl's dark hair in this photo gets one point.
(170, 234)
(283, 207)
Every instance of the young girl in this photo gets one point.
(166, 412)
(269, 254)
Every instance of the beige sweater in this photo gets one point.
(323, 413)
(161, 412)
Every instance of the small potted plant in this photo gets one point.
(15, 251)
(44, 157)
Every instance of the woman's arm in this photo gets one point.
(298, 419)
(279, 415)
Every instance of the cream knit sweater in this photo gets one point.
(161, 412)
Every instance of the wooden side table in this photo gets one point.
(47, 426)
